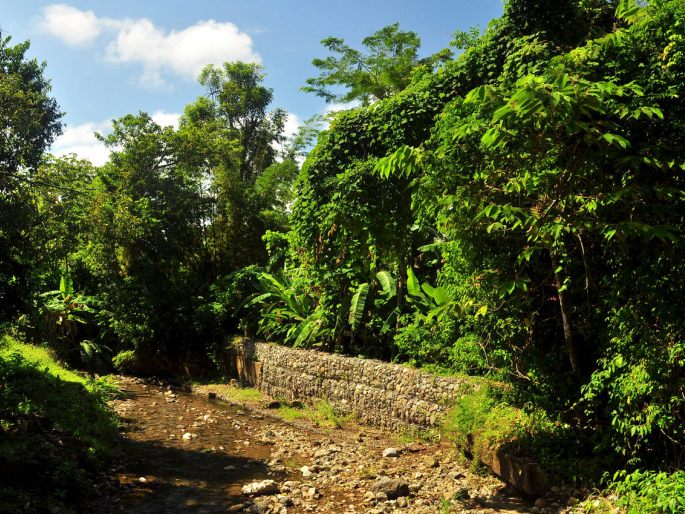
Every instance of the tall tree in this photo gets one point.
(240, 101)
(29, 122)
(382, 69)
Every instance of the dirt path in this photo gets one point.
(187, 453)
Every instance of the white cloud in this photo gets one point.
(344, 106)
(157, 51)
(183, 52)
(332, 109)
(80, 140)
(71, 25)
(292, 123)
(166, 119)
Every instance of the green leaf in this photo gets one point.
(387, 283)
(66, 285)
(441, 296)
(357, 305)
(390, 321)
(628, 10)
(615, 139)
(413, 284)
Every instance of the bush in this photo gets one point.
(125, 362)
(649, 491)
(438, 347)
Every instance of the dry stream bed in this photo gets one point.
(189, 453)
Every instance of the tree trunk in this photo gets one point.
(569, 342)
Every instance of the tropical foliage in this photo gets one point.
(516, 212)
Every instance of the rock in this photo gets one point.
(402, 502)
(455, 475)
(572, 501)
(540, 503)
(290, 484)
(189, 437)
(260, 507)
(237, 508)
(229, 468)
(286, 501)
(265, 487)
(306, 472)
(392, 487)
(313, 493)
(390, 452)
(142, 480)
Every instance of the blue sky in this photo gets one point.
(107, 59)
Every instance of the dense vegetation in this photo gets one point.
(53, 454)
(515, 212)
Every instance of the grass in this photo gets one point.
(417, 435)
(241, 395)
(322, 414)
(57, 430)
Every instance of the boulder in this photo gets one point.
(392, 487)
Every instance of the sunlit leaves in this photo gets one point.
(405, 161)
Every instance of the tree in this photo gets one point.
(29, 122)
(383, 69)
(240, 102)
(145, 235)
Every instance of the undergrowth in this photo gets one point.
(56, 429)
(321, 413)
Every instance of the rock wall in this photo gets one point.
(378, 393)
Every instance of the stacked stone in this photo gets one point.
(387, 395)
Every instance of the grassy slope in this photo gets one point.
(56, 431)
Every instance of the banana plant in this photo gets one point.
(288, 311)
(63, 309)
(388, 291)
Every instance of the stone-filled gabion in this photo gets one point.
(378, 393)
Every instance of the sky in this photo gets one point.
(108, 59)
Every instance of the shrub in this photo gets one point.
(650, 491)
